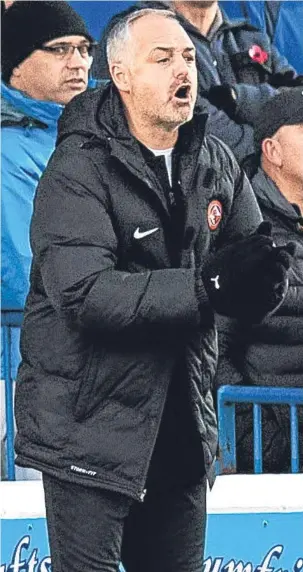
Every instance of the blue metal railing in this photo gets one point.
(9, 320)
(228, 396)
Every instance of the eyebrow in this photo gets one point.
(63, 43)
(169, 50)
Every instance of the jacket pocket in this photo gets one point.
(42, 409)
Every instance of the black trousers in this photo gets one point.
(92, 530)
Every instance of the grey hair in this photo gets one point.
(120, 34)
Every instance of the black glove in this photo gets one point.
(248, 278)
(287, 79)
(222, 97)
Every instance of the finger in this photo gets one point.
(264, 228)
(284, 258)
(284, 254)
(263, 247)
(291, 248)
(255, 241)
(275, 272)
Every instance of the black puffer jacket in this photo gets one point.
(109, 321)
(270, 353)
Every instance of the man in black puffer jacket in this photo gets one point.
(134, 246)
(271, 353)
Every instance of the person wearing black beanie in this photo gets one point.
(46, 57)
(28, 25)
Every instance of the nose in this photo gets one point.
(180, 67)
(75, 60)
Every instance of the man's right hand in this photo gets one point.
(287, 79)
(248, 278)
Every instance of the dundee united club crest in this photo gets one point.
(214, 214)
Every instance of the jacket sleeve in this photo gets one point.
(244, 217)
(19, 181)
(280, 63)
(244, 213)
(75, 246)
(249, 100)
(240, 138)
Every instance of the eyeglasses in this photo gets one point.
(66, 51)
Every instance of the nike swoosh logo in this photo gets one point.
(138, 234)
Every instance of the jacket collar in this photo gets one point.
(127, 149)
(111, 116)
(222, 23)
(99, 116)
(16, 107)
(269, 195)
(229, 24)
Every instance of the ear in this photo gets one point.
(272, 151)
(120, 76)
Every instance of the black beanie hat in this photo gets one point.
(284, 108)
(26, 26)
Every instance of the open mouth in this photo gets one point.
(76, 81)
(183, 92)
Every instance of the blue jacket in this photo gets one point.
(223, 58)
(282, 20)
(28, 136)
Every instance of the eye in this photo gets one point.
(163, 61)
(189, 59)
(84, 50)
(60, 50)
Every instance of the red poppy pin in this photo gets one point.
(214, 214)
(257, 54)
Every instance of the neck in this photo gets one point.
(16, 83)
(292, 190)
(201, 15)
(153, 137)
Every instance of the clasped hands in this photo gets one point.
(247, 279)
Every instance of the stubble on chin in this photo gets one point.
(175, 120)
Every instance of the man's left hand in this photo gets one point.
(223, 97)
